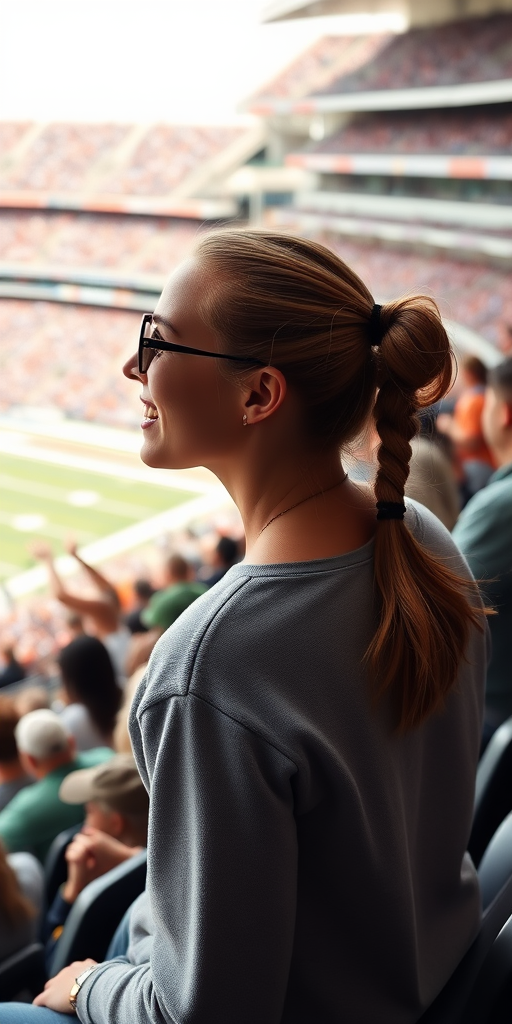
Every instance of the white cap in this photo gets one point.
(41, 734)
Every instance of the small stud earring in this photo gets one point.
(244, 419)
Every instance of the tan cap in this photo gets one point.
(115, 783)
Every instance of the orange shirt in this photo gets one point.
(468, 417)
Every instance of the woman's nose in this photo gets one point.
(131, 368)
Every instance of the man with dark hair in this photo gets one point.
(225, 555)
(13, 671)
(164, 607)
(484, 535)
(13, 776)
(465, 428)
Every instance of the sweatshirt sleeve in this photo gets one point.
(222, 876)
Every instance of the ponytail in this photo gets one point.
(426, 609)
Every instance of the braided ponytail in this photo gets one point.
(426, 611)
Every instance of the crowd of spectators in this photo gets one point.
(472, 50)
(46, 633)
(65, 753)
(167, 155)
(99, 158)
(328, 58)
(468, 131)
(470, 293)
(142, 244)
(61, 155)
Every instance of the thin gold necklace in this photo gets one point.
(301, 502)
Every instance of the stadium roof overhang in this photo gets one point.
(417, 12)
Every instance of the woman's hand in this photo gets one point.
(42, 551)
(56, 991)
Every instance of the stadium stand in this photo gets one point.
(61, 155)
(115, 159)
(167, 155)
(88, 347)
(470, 50)
(323, 62)
(470, 130)
(425, 173)
(144, 244)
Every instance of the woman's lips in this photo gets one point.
(150, 416)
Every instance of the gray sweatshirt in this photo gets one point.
(306, 865)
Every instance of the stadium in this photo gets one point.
(392, 149)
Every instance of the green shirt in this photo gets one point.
(484, 535)
(166, 606)
(36, 815)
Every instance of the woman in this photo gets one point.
(90, 687)
(308, 728)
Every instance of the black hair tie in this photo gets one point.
(390, 510)
(375, 332)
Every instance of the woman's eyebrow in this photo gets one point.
(158, 319)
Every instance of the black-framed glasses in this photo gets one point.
(149, 342)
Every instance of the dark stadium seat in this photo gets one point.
(493, 796)
(97, 912)
(479, 991)
(23, 975)
(495, 868)
(55, 867)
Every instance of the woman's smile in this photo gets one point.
(150, 414)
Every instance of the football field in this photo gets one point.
(44, 501)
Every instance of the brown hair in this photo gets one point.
(14, 906)
(475, 366)
(9, 718)
(293, 303)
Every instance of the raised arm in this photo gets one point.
(100, 581)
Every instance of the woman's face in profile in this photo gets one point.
(191, 413)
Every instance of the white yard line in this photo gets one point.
(123, 540)
(17, 445)
(60, 495)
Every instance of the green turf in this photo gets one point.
(29, 487)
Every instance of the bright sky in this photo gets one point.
(146, 60)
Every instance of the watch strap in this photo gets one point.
(75, 989)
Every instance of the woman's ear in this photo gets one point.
(264, 393)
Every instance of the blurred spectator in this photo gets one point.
(102, 612)
(464, 428)
(36, 815)
(484, 535)
(92, 694)
(21, 897)
(13, 776)
(33, 698)
(143, 591)
(115, 829)
(164, 608)
(225, 554)
(75, 624)
(122, 741)
(431, 481)
(13, 671)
